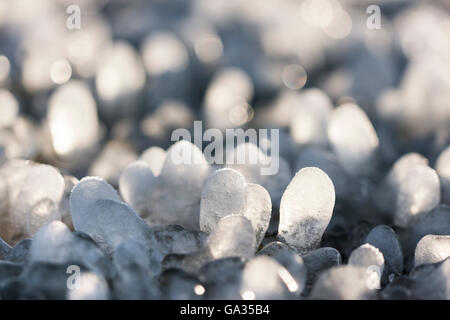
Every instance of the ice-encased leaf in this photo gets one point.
(418, 193)
(353, 139)
(306, 209)
(387, 191)
(432, 249)
(97, 210)
(224, 193)
(85, 193)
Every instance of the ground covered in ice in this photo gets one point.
(98, 202)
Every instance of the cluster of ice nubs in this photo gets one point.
(182, 176)
(111, 242)
(227, 193)
(99, 201)
(28, 203)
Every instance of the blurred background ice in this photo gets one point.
(370, 107)
(136, 70)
